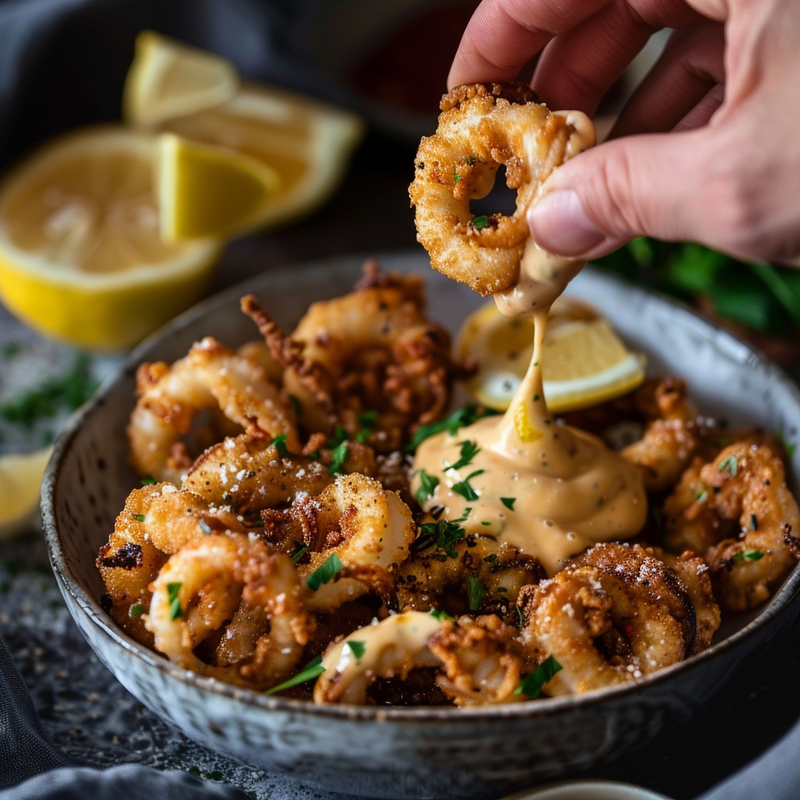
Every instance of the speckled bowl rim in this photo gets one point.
(545, 707)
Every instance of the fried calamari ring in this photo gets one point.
(373, 352)
(210, 376)
(613, 615)
(205, 584)
(740, 498)
(479, 662)
(483, 127)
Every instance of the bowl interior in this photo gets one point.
(89, 476)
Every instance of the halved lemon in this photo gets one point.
(584, 361)
(307, 143)
(20, 482)
(207, 190)
(81, 257)
(168, 79)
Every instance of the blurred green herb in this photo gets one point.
(71, 391)
(759, 296)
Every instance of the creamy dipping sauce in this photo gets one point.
(547, 489)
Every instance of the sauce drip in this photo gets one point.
(548, 489)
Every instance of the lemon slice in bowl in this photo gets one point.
(20, 481)
(168, 79)
(584, 361)
(210, 191)
(81, 256)
(307, 143)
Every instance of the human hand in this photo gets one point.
(706, 150)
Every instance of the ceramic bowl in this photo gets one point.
(403, 752)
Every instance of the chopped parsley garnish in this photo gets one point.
(279, 443)
(702, 497)
(465, 489)
(521, 617)
(149, 481)
(367, 420)
(338, 457)
(326, 573)
(456, 177)
(469, 450)
(491, 559)
(754, 522)
(485, 522)
(339, 436)
(175, 609)
(136, 611)
(748, 555)
(508, 502)
(475, 592)
(205, 527)
(357, 649)
(470, 160)
(71, 391)
(731, 463)
(480, 223)
(427, 486)
(451, 424)
(531, 686)
(440, 615)
(299, 554)
(310, 671)
(138, 517)
(443, 534)
(296, 404)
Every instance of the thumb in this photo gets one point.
(648, 185)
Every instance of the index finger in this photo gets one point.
(503, 35)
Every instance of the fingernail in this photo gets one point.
(559, 224)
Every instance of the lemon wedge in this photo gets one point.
(168, 79)
(584, 361)
(81, 257)
(20, 482)
(207, 190)
(307, 143)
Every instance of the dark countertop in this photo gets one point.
(92, 718)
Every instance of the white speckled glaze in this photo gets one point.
(403, 752)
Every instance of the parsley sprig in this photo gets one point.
(469, 450)
(427, 486)
(310, 671)
(325, 573)
(464, 488)
(443, 535)
(532, 685)
(451, 424)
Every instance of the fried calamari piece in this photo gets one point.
(202, 587)
(434, 579)
(674, 435)
(250, 473)
(614, 614)
(481, 128)
(357, 528)
(478, 662)
(740, 510)
(369, 361)
(210, 377)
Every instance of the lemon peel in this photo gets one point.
(169, 79)
(20, 483)
(81, 257)
(584, 361)
(208, 191)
